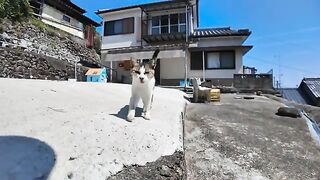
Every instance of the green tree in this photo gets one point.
(15, 9)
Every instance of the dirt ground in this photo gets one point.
(245, 139)
(165, 168)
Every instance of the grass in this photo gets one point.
(43, 27)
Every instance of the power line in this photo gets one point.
(286, 66)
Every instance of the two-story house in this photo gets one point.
(66, 16)
(214, 54)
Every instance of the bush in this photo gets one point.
(15, 10)
(1, 29)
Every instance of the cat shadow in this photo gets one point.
(123, 112)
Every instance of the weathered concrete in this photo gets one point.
(84, 124)
(165, 168)
(245, 139)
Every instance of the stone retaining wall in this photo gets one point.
(17, 63)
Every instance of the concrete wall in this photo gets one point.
(54, 18)
(254, 81)
(123, 40)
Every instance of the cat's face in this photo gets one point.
(143, 71)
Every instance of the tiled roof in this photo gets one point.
(314, 85)
(293, 94)
(216, 32)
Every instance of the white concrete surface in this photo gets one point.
(83, 121)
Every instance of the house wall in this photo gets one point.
(221, 41)
(172, 71)
(123, 40)
(54, 18)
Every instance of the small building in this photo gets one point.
(311, 88)
(307, 93)
(67, 16)
(97, 75)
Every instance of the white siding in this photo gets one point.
(123, 40)
(54, 18)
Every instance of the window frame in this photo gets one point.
(131, 31)
(231, 51)
(66, 18)
(160, 26)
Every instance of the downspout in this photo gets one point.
(111, 69)
(203, 67)
(186, 51)
(141, 29)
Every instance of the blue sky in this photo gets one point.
(285, 33)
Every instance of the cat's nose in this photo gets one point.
(141, 78)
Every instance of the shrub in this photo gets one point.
(1, 29)
(15, 10)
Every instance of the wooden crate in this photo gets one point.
(215, 95)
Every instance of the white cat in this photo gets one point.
(143, 83)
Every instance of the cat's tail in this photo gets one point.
(155, 54)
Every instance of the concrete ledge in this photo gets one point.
(83, 123)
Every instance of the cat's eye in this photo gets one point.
(138, 72)
(146, 72)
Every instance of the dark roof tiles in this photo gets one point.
(314, 85)
(216, 32)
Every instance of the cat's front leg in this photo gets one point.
(134, 100)
(147, 107)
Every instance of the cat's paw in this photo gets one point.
(147, 116)
(130, 117)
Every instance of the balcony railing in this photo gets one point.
(160, 37)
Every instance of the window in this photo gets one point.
(220, 60)
(66, 18)
(172, 23)
(155, 25)
(122, 26)
(227, 60)
(196, 61)
(182, 22)
(214, 60)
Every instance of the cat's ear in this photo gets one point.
(153, 61)
(133, 62)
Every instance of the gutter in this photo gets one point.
(313, 127)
